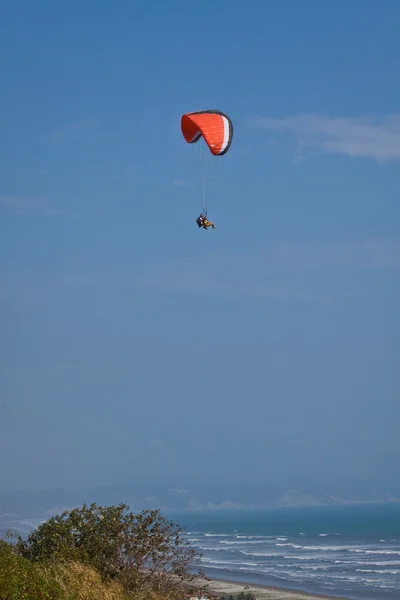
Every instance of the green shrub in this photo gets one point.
(22, 580)
(143, 551)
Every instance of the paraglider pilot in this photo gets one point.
(202, 221)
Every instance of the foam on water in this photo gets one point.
(349, 563)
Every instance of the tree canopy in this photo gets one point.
(140, 550)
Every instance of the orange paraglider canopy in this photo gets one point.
(215, 127)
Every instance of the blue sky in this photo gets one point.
(134, 344)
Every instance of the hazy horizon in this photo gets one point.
(206, 494)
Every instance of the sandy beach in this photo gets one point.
(219, 587)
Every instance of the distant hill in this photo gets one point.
(169, 495)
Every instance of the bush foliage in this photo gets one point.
(143, 553)
(20, 579)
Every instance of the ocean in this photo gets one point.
(347, 551)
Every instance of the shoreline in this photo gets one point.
(262, 592)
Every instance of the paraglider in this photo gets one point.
(216, 129)
(202, 221)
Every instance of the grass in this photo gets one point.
(81, 582)
(21, 579)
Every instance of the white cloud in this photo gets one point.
(285, 271)
(274, 271)
(298, 158)
(24, 205)
(194, 505)
(180, 182)
(373, 138)
(293, 498)
(368, 254)
(226, 505)
(53, 212)
(154, 443)
(73, 131)
(129, 173)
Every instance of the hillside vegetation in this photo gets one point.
(97, 552)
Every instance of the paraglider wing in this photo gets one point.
(215, 127)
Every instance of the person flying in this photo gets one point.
(203, 222)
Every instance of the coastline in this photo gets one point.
(262, 592)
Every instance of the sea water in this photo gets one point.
(346, 551)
